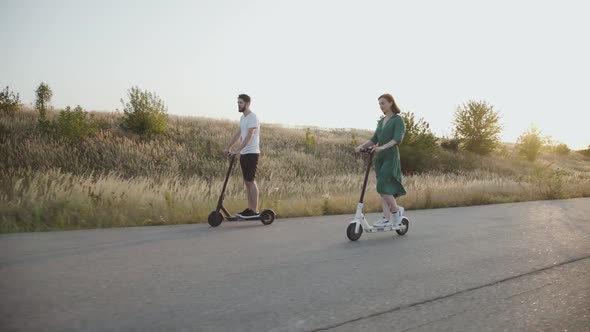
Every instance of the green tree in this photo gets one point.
(144, 113)
(503, 151)
(76, 124)
(310, 141)
(418, 144)
(43, 98)
(478, 127)
(9, 101)
(561, 149)
(451, 144)
(529, 144)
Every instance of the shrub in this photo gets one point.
(144, 113)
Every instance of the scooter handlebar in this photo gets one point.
(367, 150)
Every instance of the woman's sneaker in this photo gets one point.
(381, 223)
(398, 216)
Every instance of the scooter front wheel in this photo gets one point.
(267, 217)
(215, 219)
(350, 232)
(406, 223)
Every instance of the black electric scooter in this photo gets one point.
(220, 213)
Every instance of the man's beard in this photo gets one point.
(241, 110)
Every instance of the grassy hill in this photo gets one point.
(119, 179)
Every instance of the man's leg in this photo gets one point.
(252, 189)
(249, 163)
(244, 167)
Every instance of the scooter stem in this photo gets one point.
(366, 177)
(221, 197)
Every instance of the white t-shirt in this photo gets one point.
(246, 122)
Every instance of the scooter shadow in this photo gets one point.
(229, 226)
(386, 239)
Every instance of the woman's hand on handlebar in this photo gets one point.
(361, 148)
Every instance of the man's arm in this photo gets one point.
(246, 140)
(233, 140)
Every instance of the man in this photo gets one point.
(249, 152)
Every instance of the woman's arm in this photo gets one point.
(388, 144)
(398, 135)
(365, 145)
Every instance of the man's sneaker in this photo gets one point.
(243, 212)
(247, 214)
(381, 223)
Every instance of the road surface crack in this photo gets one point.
(442, 297)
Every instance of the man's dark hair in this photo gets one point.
(244, 97)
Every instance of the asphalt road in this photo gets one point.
(513, 267)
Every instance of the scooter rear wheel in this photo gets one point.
(405, 222)
(267, 217)
(350, 232)
(215, 219)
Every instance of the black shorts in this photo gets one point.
(249, 164)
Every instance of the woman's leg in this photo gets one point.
(396, 217)
(391, 203)
(389, 206)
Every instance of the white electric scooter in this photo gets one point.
(356, 227)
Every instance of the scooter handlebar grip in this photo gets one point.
(367, 150)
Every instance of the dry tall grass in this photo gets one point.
(116, 179)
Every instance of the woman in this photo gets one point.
(385, 141)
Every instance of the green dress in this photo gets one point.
(387, 163)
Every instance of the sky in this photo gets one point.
(316, 63)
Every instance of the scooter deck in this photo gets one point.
(236, 218)
(373, 229)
